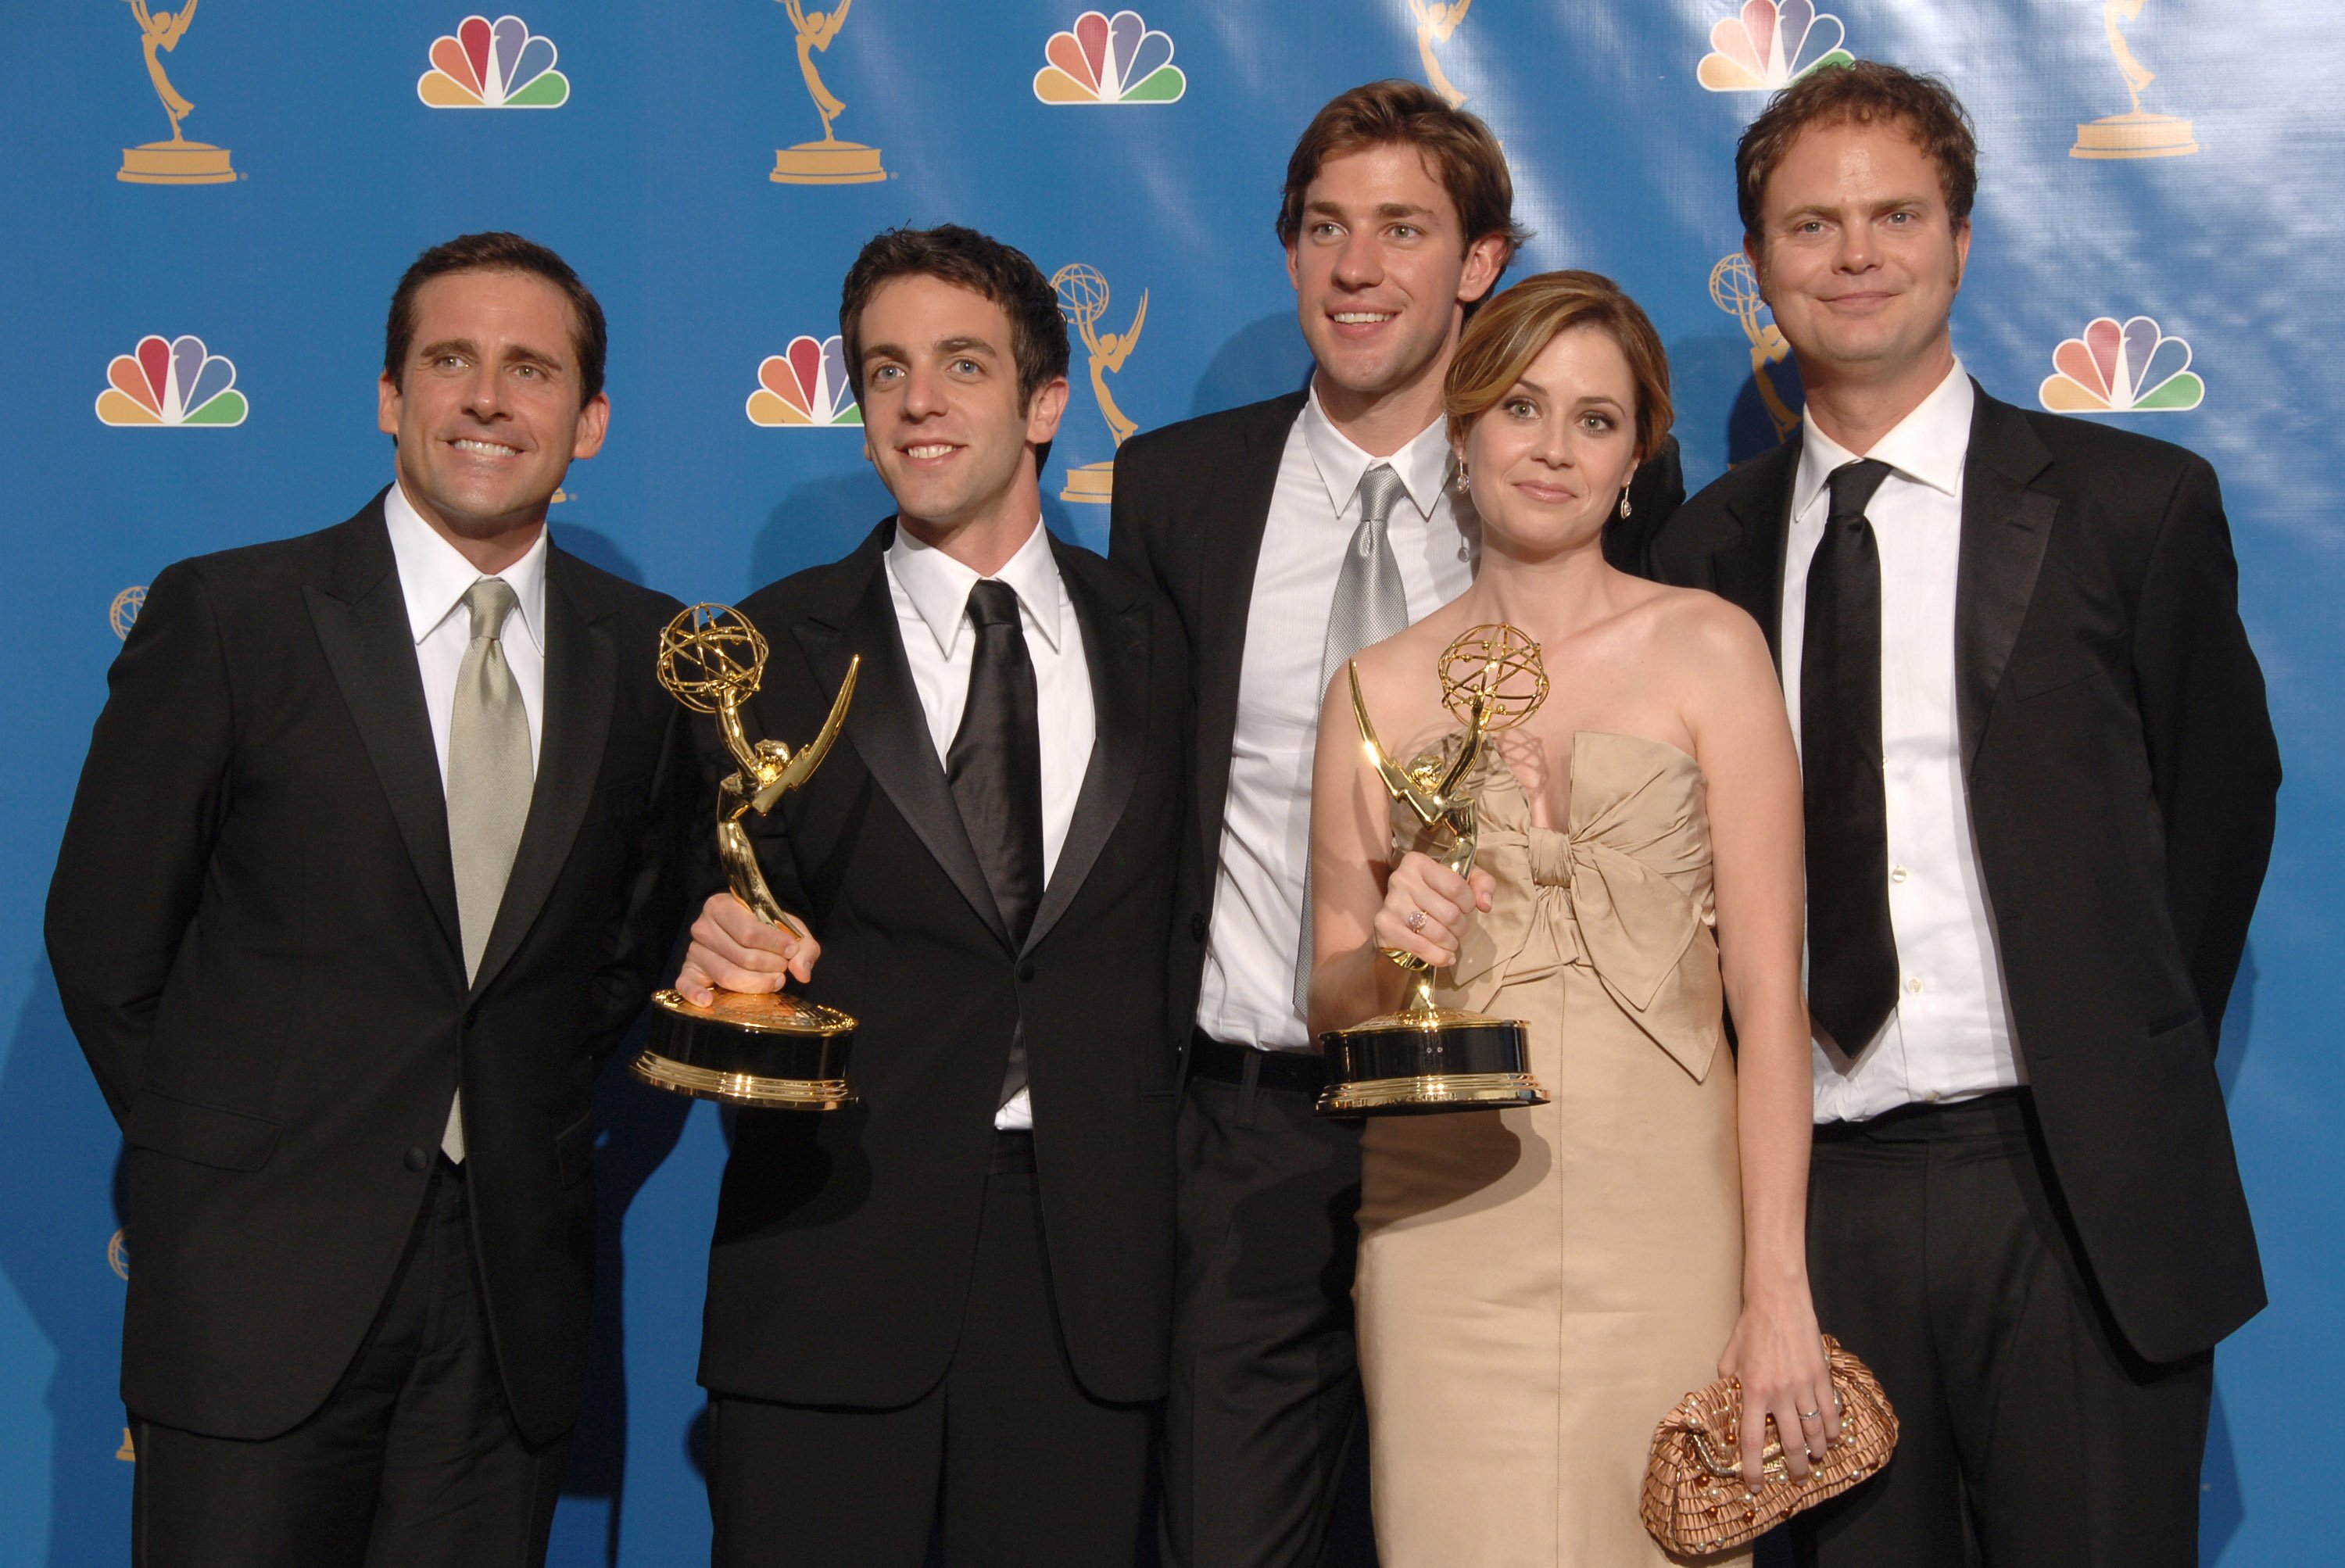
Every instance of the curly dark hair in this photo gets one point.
(1003, 273)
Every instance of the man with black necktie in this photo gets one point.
(943, 1310)
(372, 863)
(2040, 778)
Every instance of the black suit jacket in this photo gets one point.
(1191, 502)
(844, 1240)
(2121, 769)
(253, 926)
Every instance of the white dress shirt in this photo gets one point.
(930, 591)
(1247, 995)
(433, 576)
(1949, 1035)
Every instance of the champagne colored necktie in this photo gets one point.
(995, 768)
(1852, 947)
(1370, 605)
(490, 778)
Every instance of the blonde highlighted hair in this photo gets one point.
(1505, 336)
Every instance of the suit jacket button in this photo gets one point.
(1025, 972)
(1196, 928)
(415, 1159)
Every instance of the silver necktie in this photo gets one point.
(1370, 605)
(490, 778)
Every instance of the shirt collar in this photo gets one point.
(1928, 446)
(433, 574)
(1423, 464)
(939, 585)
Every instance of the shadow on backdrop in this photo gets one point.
(55, 1137)
(596, 550)
(1263, 358)
(1723, 419)
(820, 521)
(639, 1127)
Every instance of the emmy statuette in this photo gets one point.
(1427, 1058)
(762, 1048)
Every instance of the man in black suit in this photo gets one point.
(368, 870)
(944, 1309)
(1288, 534)
(2040, 781)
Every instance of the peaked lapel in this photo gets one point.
(581, 682)
(885, 724)
(1230, 526)
(1115, 644)
(361, 619)
(2005, 526)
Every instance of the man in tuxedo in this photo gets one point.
(370, 868)
(2040, 779)
(943, 1309)
(1288, 535)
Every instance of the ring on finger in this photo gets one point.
(1809, 1415)
(1416, 921)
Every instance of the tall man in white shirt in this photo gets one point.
(1289, 534)
(948, 1306)
(2040, 778)
(372, 862)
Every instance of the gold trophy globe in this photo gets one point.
(1427, 1058)
(760, 1048)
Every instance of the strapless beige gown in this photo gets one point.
(1537, 1288)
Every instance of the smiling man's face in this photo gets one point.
(486, 408)
(943, 420)
(1858, 255)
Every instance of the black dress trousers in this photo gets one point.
(1940, 1253)
(1008, 1462)
(414, 1461)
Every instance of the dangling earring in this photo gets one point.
(1464, 479)
(1624, 501)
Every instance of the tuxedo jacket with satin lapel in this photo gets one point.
(2121, 769)
(844, 1240)
(1191, 502)
(253, 927)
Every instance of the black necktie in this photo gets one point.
(1851, 950)
(995, 767)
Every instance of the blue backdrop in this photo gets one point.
(2182, 294)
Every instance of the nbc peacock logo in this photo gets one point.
(804, 387)
(1771, 44)
(175, 383)
(2133, 368)
(499, 65)
(1100, 60)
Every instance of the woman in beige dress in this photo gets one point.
(1536, 1287)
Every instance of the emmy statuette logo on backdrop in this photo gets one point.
(2132, 368)
(829, 161)
(177, 161)
(1100, 60)
(117, 1252)
(1771, 44)
(1734, 289)
(2137, 133)
(1082, 299)
(122, 614)
(499, 65)
(804, 387)
(1436, 23)
(178, 384)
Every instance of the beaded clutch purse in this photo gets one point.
(1695, 1501)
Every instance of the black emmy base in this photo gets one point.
(767, 1049)
(1417, 1064)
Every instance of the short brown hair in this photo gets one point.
(499, 251)
(978, 262)
(1513, 330)
(1864, 93)
(1466, 157)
